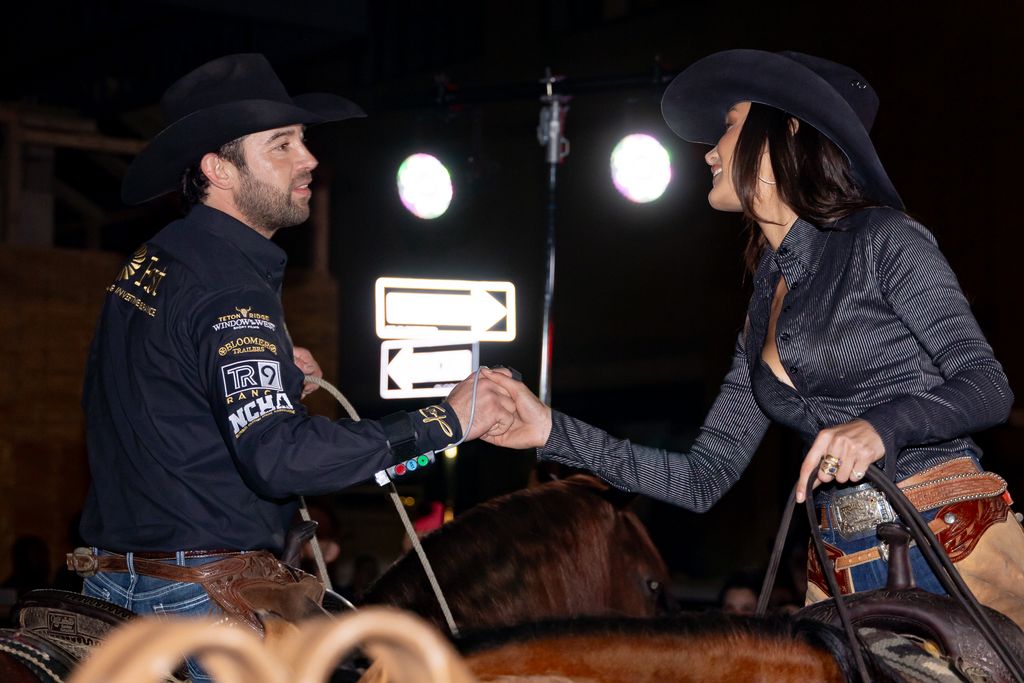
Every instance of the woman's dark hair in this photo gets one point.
(812, 175)
(195, 184)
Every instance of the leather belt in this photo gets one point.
(187, 554)
(84, 563)
(953, 481)
(241, 583)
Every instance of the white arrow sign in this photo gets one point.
(415, 308)
(413, 369)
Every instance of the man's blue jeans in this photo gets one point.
(149, 595)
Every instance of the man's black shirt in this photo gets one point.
(196, 436)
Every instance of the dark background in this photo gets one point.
(649, 297)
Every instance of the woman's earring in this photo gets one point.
(769, 182)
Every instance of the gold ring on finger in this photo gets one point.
(829, 464)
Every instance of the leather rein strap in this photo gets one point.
(930, 547)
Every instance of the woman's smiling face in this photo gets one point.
(723, 194)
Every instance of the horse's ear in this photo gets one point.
(544, 472)
(619, 499)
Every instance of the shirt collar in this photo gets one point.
(266, 257)
(799, 254)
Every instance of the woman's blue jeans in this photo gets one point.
(871, 575)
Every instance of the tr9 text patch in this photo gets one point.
(249, 375)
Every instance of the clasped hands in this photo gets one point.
(507, 413)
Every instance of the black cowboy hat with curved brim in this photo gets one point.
(834, 99)
(216, 103)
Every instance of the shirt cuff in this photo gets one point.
(887, 424)
(437, 427)
(558, 440)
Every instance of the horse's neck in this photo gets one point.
(711, 658)
(555, 551)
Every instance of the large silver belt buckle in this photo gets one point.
(858, 510)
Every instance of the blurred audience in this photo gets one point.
(739, 594)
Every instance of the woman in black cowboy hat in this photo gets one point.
(857, 335)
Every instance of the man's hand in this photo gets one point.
(307, 364)
(532, 423)
(495, 409)
(855, 445)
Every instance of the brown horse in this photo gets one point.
(717, 648)
(688, 648)
(705, 648)
(563, 549)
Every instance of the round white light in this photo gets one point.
(424, 186)
(641, 169)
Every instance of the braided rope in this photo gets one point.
(22, 654)
(402, 514)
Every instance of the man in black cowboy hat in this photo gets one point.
(197, 441)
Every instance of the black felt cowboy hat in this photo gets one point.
(216, 103)
(833, 98)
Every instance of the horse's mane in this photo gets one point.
(711, 623)
(535, 542)
(704, 630)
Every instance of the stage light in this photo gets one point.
(641, 169)
(424, 186)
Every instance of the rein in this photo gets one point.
(931, 549)
(399, 507)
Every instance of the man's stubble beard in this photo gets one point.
(265, 207)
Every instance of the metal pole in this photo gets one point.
(549, 134)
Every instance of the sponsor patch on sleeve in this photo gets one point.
(241, 346)
(244, 318)
(142, 274)
(253, 390)
(251, 375)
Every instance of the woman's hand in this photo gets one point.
(495, 409)
(855, 444)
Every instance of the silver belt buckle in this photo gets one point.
(858, 510)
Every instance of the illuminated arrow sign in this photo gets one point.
(415, 369)
(414, 308)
